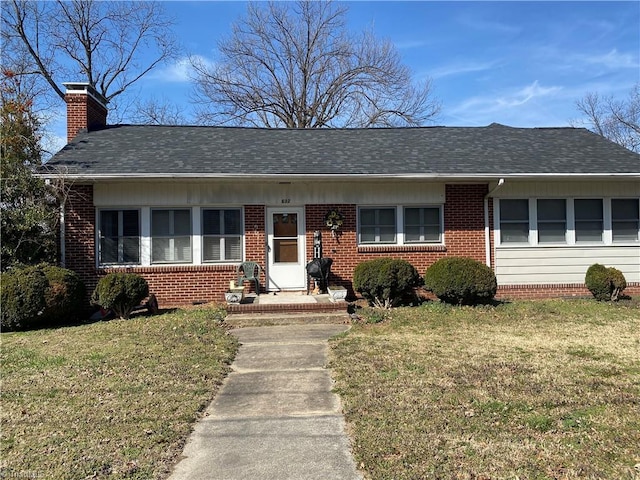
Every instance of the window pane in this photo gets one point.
(160, 251)
(625, 231)
(625, 209)
(588, 209)
(412, 216)
(130, 223)
(367, 216)
(514, 232)
(211, 222)
(412, 234)
(109, 250)
(182, 249)
(387, 216)
(232, 248)
(182, 222)
(232, 222)
(131, 250)
(109, 223)
(552, 210)
(514, 210)
(589, 231)
(211, 249)
(551, 232)
(432, 216)
(432, 233)
(160, 222)
(387, 234)
(367, 234)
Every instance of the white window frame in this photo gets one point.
(400, 236)
(607, 234)
(121, 236)
(222, 236)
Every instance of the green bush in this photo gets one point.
(461, 281)
(605, 283)
(384, 282)
(65, 296)
(120, 292)
(22, 293)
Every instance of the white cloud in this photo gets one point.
(612, 60)
(461, 68)
(528, 106)
(181, 70)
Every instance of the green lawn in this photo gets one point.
(529, 390)
(112, 399)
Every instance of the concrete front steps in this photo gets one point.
(286, 308)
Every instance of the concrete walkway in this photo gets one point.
(275, 416)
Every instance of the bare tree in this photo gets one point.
(295, 65)
(111, 45)
(617, 120)
(155, 111)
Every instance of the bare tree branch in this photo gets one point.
(617, 120)
(295, 65)
(109, 44)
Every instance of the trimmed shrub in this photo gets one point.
(22, 293)
(65, 296)
(383, 282)
(605, 283)
(461, 281)
(120, 292)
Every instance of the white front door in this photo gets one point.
(286, 249)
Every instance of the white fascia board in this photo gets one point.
(339, 178)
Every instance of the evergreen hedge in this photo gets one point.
(461, 281)
(384, 282)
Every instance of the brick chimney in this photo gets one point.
(86, 108)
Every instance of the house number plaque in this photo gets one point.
(285, 200)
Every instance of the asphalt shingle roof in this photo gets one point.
(438, 151)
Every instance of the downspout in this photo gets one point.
(63, 253)
(487, 233)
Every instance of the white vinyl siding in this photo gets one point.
(562, 264)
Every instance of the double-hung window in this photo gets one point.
(552, 221)
(171, 236)
(221, 235)
(514, 221)
(422, 225)
(377, 225)
(119, 237)
(625, 219)
(589, 220)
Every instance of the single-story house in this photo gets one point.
(184, 205)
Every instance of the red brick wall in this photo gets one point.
(83, 112)
(524, 292)
(80, 234)
(464, 235)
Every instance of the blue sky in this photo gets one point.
(517, 63)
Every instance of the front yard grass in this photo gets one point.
(112, 399)
(528, 390)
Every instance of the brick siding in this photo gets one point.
(83, 112)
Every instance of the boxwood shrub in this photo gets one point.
(120, 292)
(65, 296)
(22, 293)
(605, 283)
(461, 281)
(384, 282)
(40, 296)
